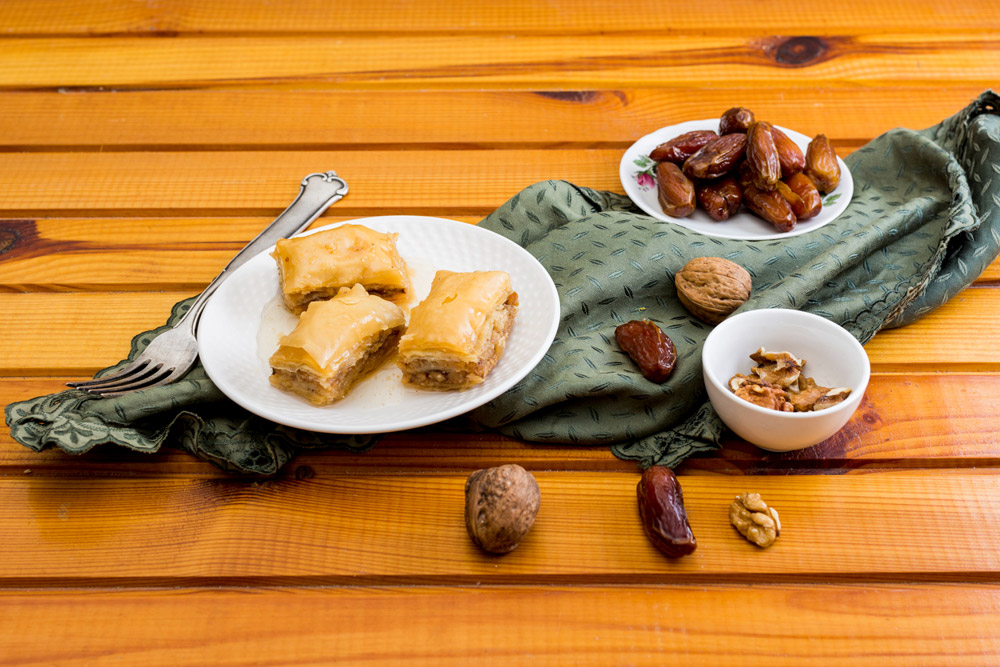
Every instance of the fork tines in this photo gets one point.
(131, 378)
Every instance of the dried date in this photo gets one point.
(682, 146)
(771, 206)
(821, 164)
(661, 509)
(802, 186)
(790, 157)
(795, 201)
(736, 119)
(744, 176)
(652, 351)
(762, 156)
(717, 158)
(674, 190)
(720, 198)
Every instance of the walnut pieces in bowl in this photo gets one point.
(834, 356)
(778, 383)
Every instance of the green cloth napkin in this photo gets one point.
(923, 223)
(191, 413)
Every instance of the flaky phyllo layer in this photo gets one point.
(315, 267)
(457, 334)
(335, 344)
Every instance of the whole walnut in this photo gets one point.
(500, 507)
(712, 287)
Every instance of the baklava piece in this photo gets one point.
(335, 344)
(316, 266)
(458, 333)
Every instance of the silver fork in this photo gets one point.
(172, 353)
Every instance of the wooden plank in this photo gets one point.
(382, 528)
(991, 275)
(935, 342)
(87, 331)
(907, 421)
(218, 119)
(44, 17)
(145, 254)
(651, 625)
(262, 183)
(113, 254)
(43, 336)
(557, 62)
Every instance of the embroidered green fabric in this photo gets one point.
(923, 223)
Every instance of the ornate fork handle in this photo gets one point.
(318, 192)
(172, 353)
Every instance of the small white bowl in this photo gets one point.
(834, 358)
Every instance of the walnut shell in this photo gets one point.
(500, 507)
(712, 287)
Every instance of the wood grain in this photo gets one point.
(553, 62)
(967, 317)
(379, 528)
(45, 17)
(340, 120)
(144, 254)
(81, 330)
(262, 183)
(133, 254)
(648, 625)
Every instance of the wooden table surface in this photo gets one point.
(143, 143)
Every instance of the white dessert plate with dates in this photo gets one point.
(638, 176)
(241, 324)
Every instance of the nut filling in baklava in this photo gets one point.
(314, 267)
(335, 344)
(458, 333)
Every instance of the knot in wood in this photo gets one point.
(8, 238)
(10, 235)
(800, 51)
(578, 96)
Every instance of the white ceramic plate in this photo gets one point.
(638, 177)
(241, 324)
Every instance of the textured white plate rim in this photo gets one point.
(217, 332)
(743, 226)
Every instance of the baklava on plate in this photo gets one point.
(315, 266)
(457, 334)
(246, 318)
(335, 344)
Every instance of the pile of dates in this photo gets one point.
(747, 162)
